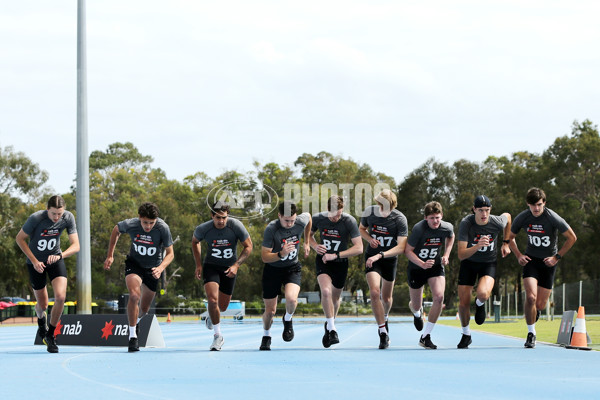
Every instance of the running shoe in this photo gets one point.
(133, 345)
(217, 343)
(326, 338)
(387, 328)
(426, 342)
(480, 314)
(384, 340)
(465, 341)
(137, 329)
(333, 337)
(530, 342)
(418, 321)
(537, 315)
(265, 343)
(42, 326)
(288, 330)
(50, 342)
(209, 324)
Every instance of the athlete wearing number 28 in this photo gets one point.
(221, 234)
(150, 235)
(541, 256)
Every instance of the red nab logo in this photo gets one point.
(58, 329)
(107, 330)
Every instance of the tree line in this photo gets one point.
(121, 178)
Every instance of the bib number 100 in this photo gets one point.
(144, 251)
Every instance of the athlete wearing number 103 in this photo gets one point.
(145, 263)
(541, 256)
(221, 234)
(44, 256)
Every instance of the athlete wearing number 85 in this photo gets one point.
(221, 234)
(149, 235)
(541, 256)
(44, 256)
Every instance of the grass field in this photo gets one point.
(546, 331)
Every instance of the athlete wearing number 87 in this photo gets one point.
(44, 256)
(541, 256)
(149, 235)
(221, 264)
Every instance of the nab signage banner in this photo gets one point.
(104, 330)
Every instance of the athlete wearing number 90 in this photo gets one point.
(145, 263)
(221, 234)
(44, 256)
(541, 256)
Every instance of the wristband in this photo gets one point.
(381, 254)
(337, 253)
(506, 241)
(279, 255)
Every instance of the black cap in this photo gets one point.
(482, 201)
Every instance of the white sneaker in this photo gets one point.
(209, 324)
(217, 343)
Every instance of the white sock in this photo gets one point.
(382, 329)
(330, 324)
(385, 316)
(217, 328)
(288, 316)
(417, 314)
(466, 330)
(479, 303)
(531, 328)
(132, 332)
(267, 332)
(428, 328)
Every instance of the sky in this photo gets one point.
(213, 86)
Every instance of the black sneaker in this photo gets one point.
(418, 321)
(537, 315)
(465, 341)
(133, 345)
(288, 330)
(137, 329)
(50, 342)
(265, 343)
(42, 326)
(384, 340)
(333, 337)
(387, 328)
(530, 342)
(426, 342)
(326, 338)
(480, 314)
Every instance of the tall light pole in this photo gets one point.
(84, 273)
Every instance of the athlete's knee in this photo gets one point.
(375, 294)
(59, 299)
(387, 299)
(531, 298)
(326, 293)
(438, 298)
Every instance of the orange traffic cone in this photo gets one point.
(168, 317)
(579, 338)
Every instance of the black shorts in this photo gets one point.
(471, 271)
(386, 267)
(337, 271)
(38, 280)
(133, 267)
(544, 274)
(418, 277)
(274, 277)
(216, 273)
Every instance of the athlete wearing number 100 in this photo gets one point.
(149, 235)
(477, 238)
(44, 256)
(221, 234)
(541, 256)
